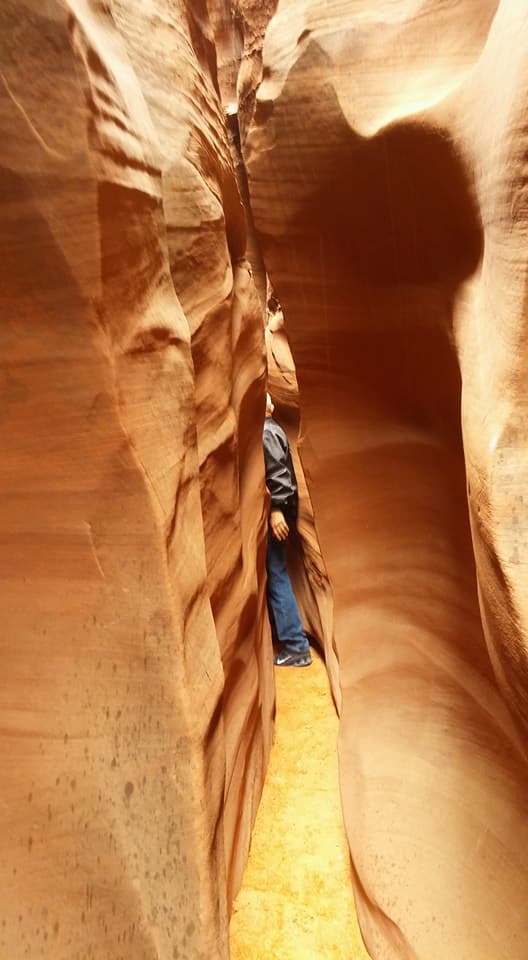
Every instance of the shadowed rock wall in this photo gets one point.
(137, 695)
(387, 188)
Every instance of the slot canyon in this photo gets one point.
(201, 200)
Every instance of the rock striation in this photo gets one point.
(138, 696)
(385, 149)
(387, 186)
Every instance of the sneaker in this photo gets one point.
(292, 658)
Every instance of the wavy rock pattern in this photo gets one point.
(388, 182)
(387, 185)
(137, 697)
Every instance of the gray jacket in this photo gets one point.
(280, 475)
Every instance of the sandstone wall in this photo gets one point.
(388, 188)
(387, 181)
(137, 695)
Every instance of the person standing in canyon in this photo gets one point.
(293, 647)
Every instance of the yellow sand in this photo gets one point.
(296, 900)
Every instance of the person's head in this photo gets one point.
(269, 405)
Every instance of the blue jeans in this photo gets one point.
(282, 604)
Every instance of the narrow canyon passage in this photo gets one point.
(296, 899)
(202, 201)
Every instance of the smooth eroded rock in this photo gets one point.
(386, 186)
(137, 696)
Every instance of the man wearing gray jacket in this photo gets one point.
(293, 647)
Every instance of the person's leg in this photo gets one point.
(281, 599)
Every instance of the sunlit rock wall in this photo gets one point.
(388, 186)
(136, 698)
(240, 27)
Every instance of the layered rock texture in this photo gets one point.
(384, 143)
(137, 691)
(388, 185)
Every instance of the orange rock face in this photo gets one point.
(387, 188)
(387, 178)
(137, 694)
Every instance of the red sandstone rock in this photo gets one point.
(240, 27)
(206, 233)
(136, 719)
(387, 183)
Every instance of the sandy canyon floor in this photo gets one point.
(296, 900)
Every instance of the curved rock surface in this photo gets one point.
(388, 191)
(387, 175)
(137, 697)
